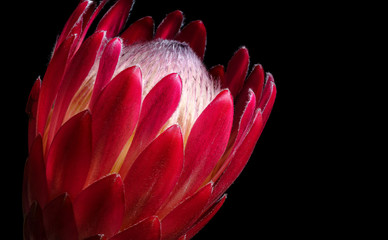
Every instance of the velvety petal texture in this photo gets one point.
(76, 73)
(195, 35)
(62, 228)
(130, 135)
(114, 117)
(185, 214)
(107, 67)
(68, 160)
(100, 207)
(115, 18)
(158, 106)
(170, 26)
(140, 31)
(153, 175)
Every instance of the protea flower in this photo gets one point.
(130, 136)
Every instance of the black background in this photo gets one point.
(289, 187)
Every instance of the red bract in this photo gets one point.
(130, 136)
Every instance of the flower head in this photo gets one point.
(130, 135)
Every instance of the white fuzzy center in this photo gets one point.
(157, 59)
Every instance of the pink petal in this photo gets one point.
(239, 158)
(99, 209)
(82, 26)
(31, 110)
(114, 117)
(205, 145)
(77, 33)
(148, 229)
(195, 35)
(69, 157)
(268, 98)
(106, 68)
(244, 113)
(76, 73)
(140, 31)
(170, 25)
(89, 18)
(158, 106)
(33, 224)
(59, 219)
(236, 71)
(205, 218)
(35, 176)
(52, 80)
(153, 175)
(180, 219)
(218, 73)
(115, 18)
(74, 20)
(255, 81)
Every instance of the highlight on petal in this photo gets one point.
(184, 237)
(75, 19)
(114, 20)
(76, 73)
(52, 80)
(268, 97)
(245, 107)
(106, 68)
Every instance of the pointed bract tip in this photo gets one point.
(226, 94)
(177, 12)
(258, 65)
(244, 50)
(116, 40)
(135, 69)
(269, 77)
(176, 77)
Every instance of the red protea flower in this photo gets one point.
(130, 136)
